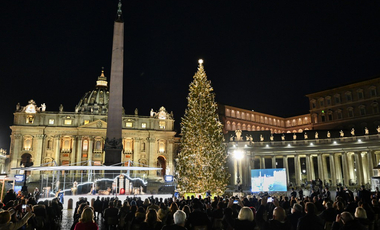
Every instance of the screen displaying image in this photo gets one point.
(268, 180)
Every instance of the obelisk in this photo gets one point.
(113, 145)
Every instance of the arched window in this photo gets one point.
(228, 126)
(249, 127)
(242, 115)
(233, 126)
(239, 126)
(233, 113)
(244, 127)
(252, 117)
(28, 140)
(85, 145)
(161, 146)
(237, 114)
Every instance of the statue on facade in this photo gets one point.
(152, 113)
(261, 137)
(316, 135)
(283, 137)
(305, 136)
(271, 137)
(378, 129)
(341, 133)
(249, 138)
(353, 132)
(43, 107)
(238, 135)
(328, 134)
(60, 108)
(366, 131)
(18, 107)
(294, 136)
(232, 137)
(136, 112)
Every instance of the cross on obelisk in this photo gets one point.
(113, 145)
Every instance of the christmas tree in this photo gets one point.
(202, 160)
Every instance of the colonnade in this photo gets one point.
(346, 168)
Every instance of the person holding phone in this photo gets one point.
(5, 219)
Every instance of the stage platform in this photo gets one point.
(75, 198)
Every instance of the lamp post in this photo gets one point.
(238, 155)
(24, 188)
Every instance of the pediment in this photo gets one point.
(98, 124)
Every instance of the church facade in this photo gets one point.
(47, 138)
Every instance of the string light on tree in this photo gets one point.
(201, 164)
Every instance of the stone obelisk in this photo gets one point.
(113, 145)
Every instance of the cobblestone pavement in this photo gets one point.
(67, 220)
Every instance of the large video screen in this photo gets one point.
(268, 180)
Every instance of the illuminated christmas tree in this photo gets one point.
(202, 161)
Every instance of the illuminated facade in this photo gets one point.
(77, 138)
(338, 142)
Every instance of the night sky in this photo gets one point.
(261, 55)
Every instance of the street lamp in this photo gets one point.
(26, 164)
(238, 155)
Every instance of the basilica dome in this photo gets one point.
(96, 100)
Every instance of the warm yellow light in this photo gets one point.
(200, 61)
(238, 155)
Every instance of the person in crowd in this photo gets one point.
(245, 220)
(9, 196)
(296, 213)
(151, 221)
(197, 217)
(179, 221)
(345, 221)
(98, 210)
(110, 213)
(86, 222)
(278, 221)
(6, 216)
(310, 221)
(361, 216)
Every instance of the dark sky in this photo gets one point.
(261, 55)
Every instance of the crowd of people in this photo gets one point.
(18, 211)
(295, 212)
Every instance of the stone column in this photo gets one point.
(297, 169)
(73, 153)
(90, 150)
(312, 171)
(274, 162)
(152, 159)
(359, 168)
(332, 170)
(15, 153)
(170, 154)
(325, 171)
(346, 175)
(262, 162)
(308, 168)
(285, 159)
(57, 156)
(79, 153)
(338, 169)
(320, 167)
(38, 144)
(370, 164)
(136, 153)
